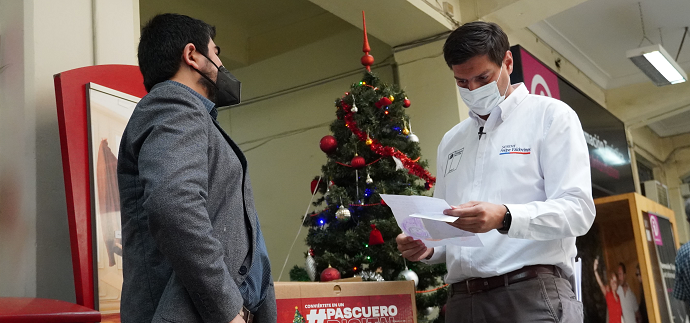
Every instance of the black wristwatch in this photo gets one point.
(507, 219)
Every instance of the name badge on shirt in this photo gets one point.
(514, 150)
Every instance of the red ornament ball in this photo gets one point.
(358, 162)
(328, 144)
(428, 185)
(367, 60)
(329, 274)
(407, 103)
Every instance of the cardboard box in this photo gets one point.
(346, 302)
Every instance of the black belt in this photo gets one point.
(477, 285)
(246, 315)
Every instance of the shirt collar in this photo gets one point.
(207, 103)
(506, 107)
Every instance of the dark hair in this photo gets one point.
(622, 265)
(476, 38)
(162, 42)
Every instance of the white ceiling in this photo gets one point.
(392, 21)
(671, 126)
(250, 31)
(595, 35)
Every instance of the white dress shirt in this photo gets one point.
(534, 159)
(628, 304)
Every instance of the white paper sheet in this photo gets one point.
(421, 217)
(436, 217)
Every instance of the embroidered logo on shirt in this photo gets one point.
(453, 161)
(514, 149)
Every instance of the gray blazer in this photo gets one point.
(188, 227)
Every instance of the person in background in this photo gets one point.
(626, 295)
(682, 289)
(613, 302)
(642, 317)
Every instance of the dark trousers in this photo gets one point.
(546, 298)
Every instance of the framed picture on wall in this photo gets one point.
(108, 113)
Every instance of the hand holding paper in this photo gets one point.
(421, 217)
(477, 217)
(411, 249)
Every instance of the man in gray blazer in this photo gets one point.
(192, 245)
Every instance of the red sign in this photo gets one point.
(538, 79)
(351, 309)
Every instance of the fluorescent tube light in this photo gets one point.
(658, 65)
(664, 67)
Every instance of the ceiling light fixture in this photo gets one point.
(655, 62)
(658, 65)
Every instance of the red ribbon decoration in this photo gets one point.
(358, 205)
(386, 151)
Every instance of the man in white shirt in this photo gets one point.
(627, 297)
(518, 174)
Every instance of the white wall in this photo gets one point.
(436, 103)
(282, 169)
(116, 31)
(17, 155)
(39, 38)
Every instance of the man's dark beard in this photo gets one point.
(211, 89)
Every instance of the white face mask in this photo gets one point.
(484, 99)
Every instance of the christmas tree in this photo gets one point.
(371, 151)
(298, 316)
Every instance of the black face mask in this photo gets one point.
(228, 87)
